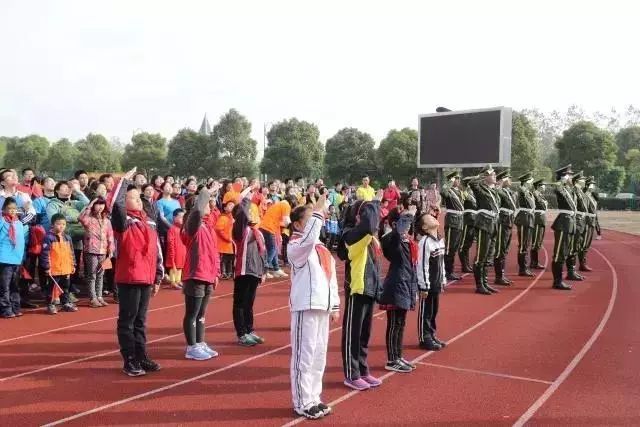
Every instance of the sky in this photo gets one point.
(68, 68)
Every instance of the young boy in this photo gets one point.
(12, 246)
(314, 300)
(58, 262)
(176, 250)
(224, 226)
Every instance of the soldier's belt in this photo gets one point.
(485, 211)
(579, 213)
(509, 211)
(454, 212)
(590, 215)
(470, 211)
(540, 211)
(524, 210)
(566, 212)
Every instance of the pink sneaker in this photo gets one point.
(359, 384)
(371, 380)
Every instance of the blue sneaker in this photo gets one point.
(195, 352)
(209, 350)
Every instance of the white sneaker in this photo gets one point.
(268, 275)
(280, 273)
(195, 352)
(209, 350)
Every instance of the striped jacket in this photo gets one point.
(249, 261)
(430, 267)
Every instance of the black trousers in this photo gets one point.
(396, 320)
(485, 247)
(453, 238)
(561, 246)
(226, 264)
(356, 331)
(468, 237)
(195, 309)
(427, 313)
(587, 239)
(244, 295)
(132, 319)
(65, 284)
(538, 237)
(503, 241)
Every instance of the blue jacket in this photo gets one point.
(10, 254)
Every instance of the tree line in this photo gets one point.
(606, 146)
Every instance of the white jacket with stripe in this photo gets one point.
(310, 288)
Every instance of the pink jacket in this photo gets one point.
(98, 236)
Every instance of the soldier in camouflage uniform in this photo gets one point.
(453, 222)
(505, 225)
(525, 223)
(564, 226)
(540, 223)
(486, 225)
(591, 222)
(469, 219)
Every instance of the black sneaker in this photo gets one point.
(398, 366)
(443, 344)
(326, 410)
(409, 364)
(312, 413)
(149, 365)
(132, 368)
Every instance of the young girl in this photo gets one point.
(314, 300)
(200, 275)
(250, 268)
(12, 246)
(176, 250)
(431, 279)
(400, 287)
(224, 225)
(98, 245)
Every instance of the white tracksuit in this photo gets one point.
(312, 299)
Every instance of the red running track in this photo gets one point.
(528, 355)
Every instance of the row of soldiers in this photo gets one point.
(484, 209)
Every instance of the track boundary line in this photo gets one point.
(452, 340)
(35, 334)
(492, 374)
(524, 418)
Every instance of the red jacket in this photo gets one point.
(392, 195)
(203, 259)
(176, 250)
(139, 260)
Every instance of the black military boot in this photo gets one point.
(583, 262)
(535, 262)
(498, 266)
(571, 270)
(556, 269)
(477, 275)
(522, 265)
(448, 268)
(464, 261)
(485, 281)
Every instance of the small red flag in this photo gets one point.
(24, 273)
(56, 290)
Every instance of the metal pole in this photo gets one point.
(264, 148)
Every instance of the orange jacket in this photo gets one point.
(224, 226)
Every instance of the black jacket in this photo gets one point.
(401, 284)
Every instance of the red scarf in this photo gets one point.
(413, 249)
(12, 229)
(141, 216)
(325, 260)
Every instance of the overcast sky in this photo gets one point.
(72, 67)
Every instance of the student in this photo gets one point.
(400, 287)
(332, 227)
(224, 226)
(138, 274)
(313, 301)
(98, 245)
(200, 276)
(277, 215)
(250, 268)
(176, 250)
(58, 262)
(12, 247)
(166, 206)
(431, 280)
(362, 254)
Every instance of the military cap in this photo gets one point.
(526, 177)
(590, 180)
(468, 179)
(487, 170)
(566, 170)
(537, 183)
(453, 175)
(578, 176)
(504, 174)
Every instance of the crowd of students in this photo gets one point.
(119, 239)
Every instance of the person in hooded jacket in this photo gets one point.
(400, 287)
(362, 253)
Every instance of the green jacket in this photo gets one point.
(488, 202)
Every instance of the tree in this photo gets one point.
(188, 152)
(627, 139)
(349, 154)
(61, 158)
(147, 151)
(588, 148)
(611, 180)
(397, 155)
(96, 154)
(524, 146)
(29, 151)
(236, 150)
(4, 140)
(633, 169)
(294, 150)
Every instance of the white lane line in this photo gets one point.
(451, 341)
(493, 374)
(578, 357)
(115, 317)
